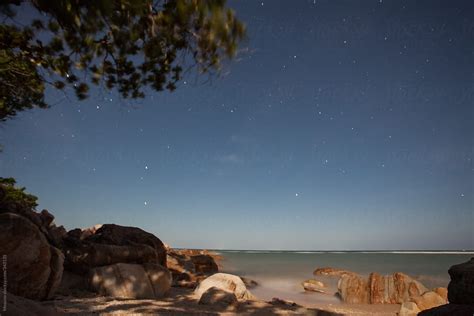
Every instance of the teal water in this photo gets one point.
(280, 273)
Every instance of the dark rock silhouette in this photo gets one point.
(461, 286)
(34, 266)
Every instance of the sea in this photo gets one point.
(280, 273)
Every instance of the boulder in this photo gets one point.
(408, 309)
(328, 271)
(227, 282)
(111, 234)
(400, 287)
(109, 244)
(428, 300)
(160, 278)
(34, 267)
(449, 310)
(353, 289)
(218, 297)
(461, 286)
(17, 305)
(377, 289)
(204, 264)
(314, 286)
(83, 256)
(124, 280)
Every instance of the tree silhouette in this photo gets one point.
(118, 44)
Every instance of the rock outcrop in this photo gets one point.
(353, 289)
(110, 244)
(123, 280)
(226, 282)
(34, 266)
(461, 286)
(378, 289)
(460, 292)
(190, 266)
(118, 261)
(449, 310)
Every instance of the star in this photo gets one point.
(146, 167)
(145, 203)
(296, 194)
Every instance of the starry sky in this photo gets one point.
(340, 125)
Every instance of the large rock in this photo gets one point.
(377, 289)
(123, 280)
(86, 255)
(353, 289)
(394, 289)
(160, 278)
(218, 297)
(34, 267)
(111, 234)
(449, 310)
(226, 282)
(109, 244)
(461, 286)
(428, 300)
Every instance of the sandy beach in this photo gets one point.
(182, 301)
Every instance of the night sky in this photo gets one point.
(340, 125)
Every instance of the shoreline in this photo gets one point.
(183, 301)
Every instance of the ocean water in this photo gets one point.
(280, 273)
